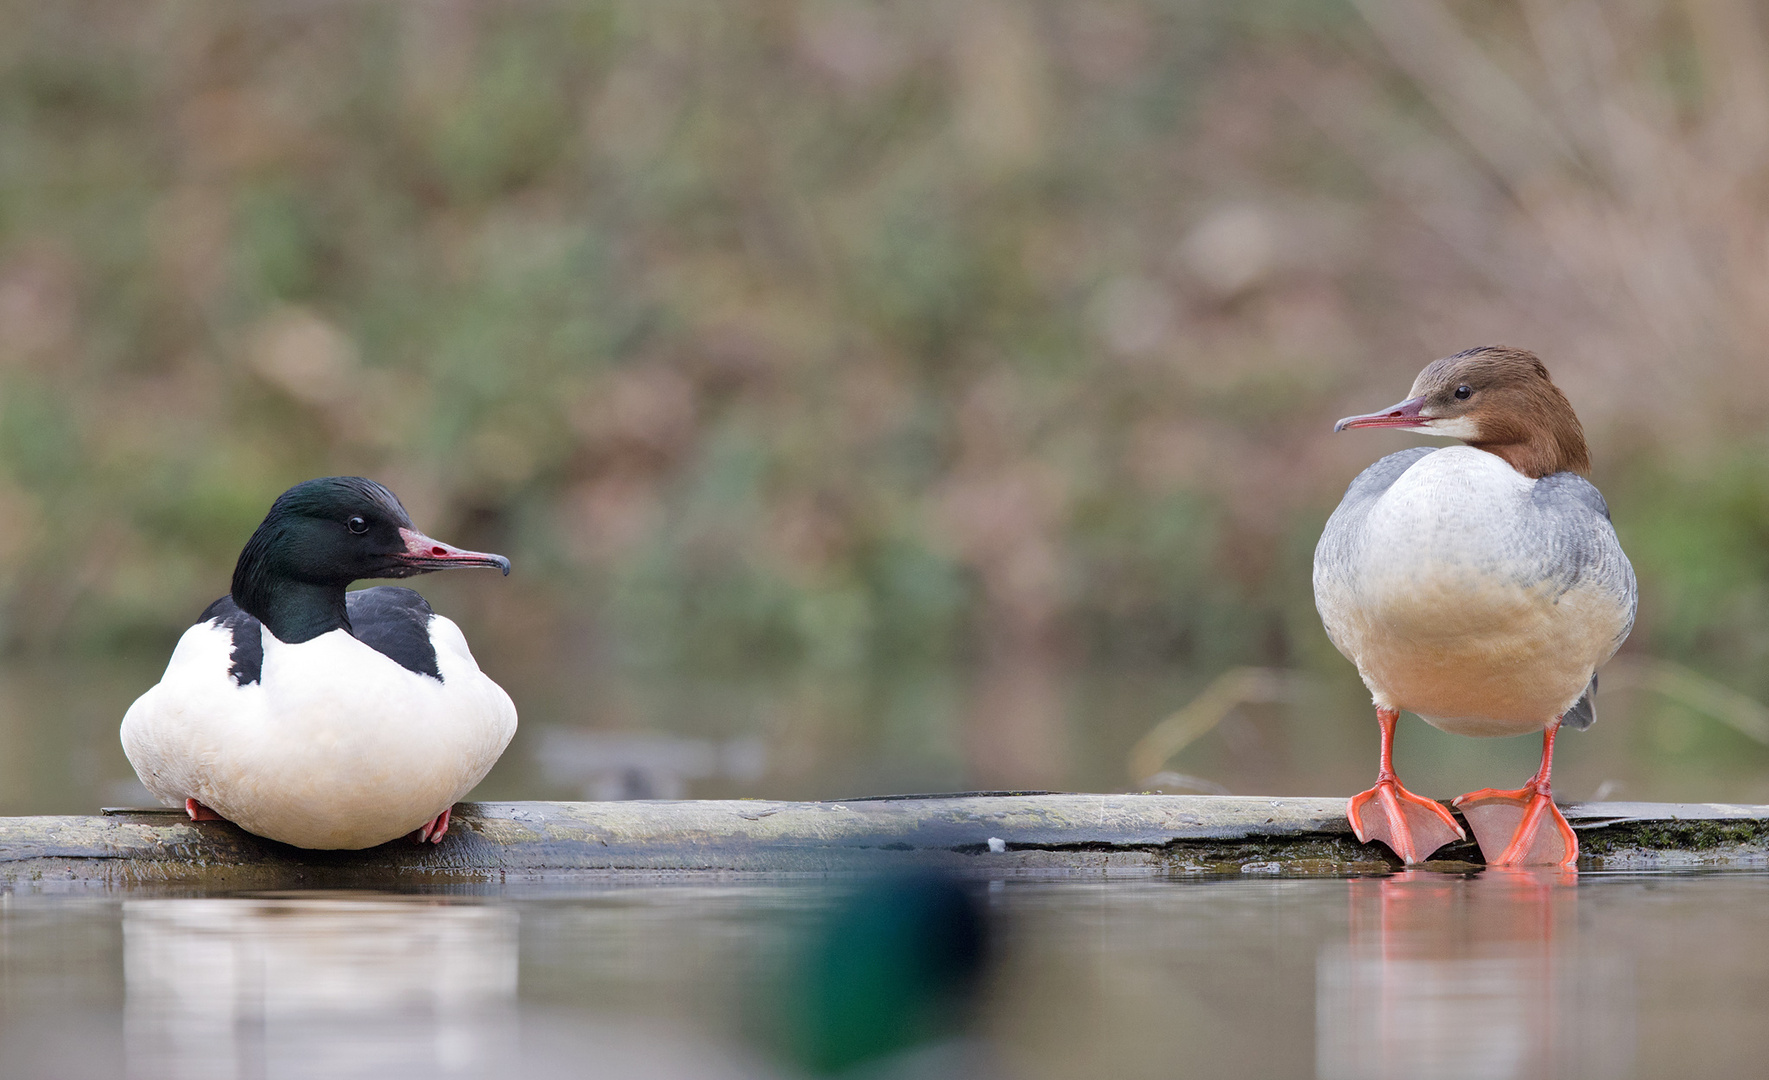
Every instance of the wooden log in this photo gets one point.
(986, 834)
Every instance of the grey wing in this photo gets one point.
(1583, 553)
(1337, 550)
(1582, 550)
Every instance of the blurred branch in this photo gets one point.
(1345, 108)
(1490, 110)
(1644, 189)
(1233, 688)
(1740, 712)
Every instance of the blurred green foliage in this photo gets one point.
(1701, 548)
(720, 316)
(842, 336)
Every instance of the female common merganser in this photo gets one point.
(1478, 586)
(317, 717)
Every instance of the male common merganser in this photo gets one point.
(317, 717)
(1478, 586)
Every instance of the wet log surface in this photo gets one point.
(986, 834)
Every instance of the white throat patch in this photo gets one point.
(1456, 427)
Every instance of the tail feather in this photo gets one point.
(1584, 712)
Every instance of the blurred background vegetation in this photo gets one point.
(876, 395)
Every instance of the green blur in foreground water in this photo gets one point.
(1500, 974)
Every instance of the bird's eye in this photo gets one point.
(1462, 392)
(357, 525)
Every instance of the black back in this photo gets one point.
(395, 622)
(391, 620)
(248, 642)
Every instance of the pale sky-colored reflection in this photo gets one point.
(229, 988)
(358, 985)
(1483, 979)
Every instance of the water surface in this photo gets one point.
(1521, 974)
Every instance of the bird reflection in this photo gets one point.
(328, 987)
(1471, 977)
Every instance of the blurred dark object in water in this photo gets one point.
(889, 982)
(637, 765)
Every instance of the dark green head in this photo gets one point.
(324, 534)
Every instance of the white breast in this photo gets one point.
(1464, 598)
(337, 746)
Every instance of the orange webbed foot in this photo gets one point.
(1411, 825)
(1519, 828)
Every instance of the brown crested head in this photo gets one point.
(1495, 399)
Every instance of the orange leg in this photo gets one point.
(199, 812)
(1511, 822)
(1411, 825)
(433, 830)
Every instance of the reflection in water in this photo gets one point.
(1479, 978)
(1645, 975)
(230, 988)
